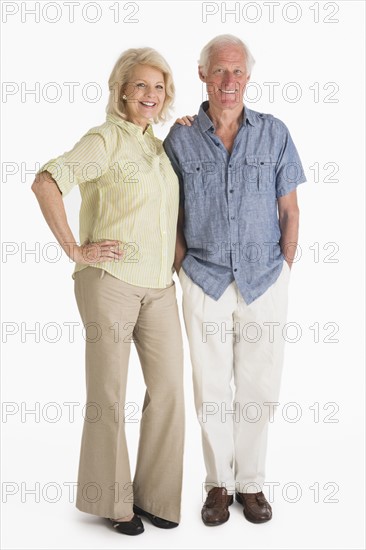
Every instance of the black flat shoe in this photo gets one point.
(158, 522)
(133, 527)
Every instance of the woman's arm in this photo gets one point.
(50, 200)
(181, 246)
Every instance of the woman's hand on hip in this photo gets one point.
(95, 252)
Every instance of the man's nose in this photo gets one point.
(228, 84)
(228, 81)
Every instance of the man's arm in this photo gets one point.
(288, 213)
(181, 245)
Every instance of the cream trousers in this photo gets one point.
(237, 356)
(115, 313)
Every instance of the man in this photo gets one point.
(237, 236)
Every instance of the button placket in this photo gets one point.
(231, 207)
(164, 234)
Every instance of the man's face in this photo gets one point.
(226, 77)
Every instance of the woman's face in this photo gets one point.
(145, 93)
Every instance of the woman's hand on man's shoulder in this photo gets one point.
(185, 120)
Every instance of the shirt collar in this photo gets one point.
(206, 123)
(250, 116)
(130, 127)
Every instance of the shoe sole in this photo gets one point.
(216, 522)
(121, 532)
(147, 515)
(129, 534)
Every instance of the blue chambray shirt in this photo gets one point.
(230, 201)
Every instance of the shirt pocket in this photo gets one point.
(258, 174)
(201, 177)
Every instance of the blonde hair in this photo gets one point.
(120, 76)
(224, 40)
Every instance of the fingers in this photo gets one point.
(185, 120)
(102, 251)
(110, 250)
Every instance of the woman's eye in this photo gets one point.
(140, 85)
(160, 87)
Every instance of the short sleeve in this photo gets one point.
(87, 161)
(174, 162)
(289, 170)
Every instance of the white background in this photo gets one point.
(303, 453)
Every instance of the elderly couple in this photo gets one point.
(229, 177)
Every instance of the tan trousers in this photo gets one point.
(114, 312)
(235, 343)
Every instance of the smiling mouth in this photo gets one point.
(227, 91)
(148, 104)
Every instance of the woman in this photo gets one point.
(124, 290)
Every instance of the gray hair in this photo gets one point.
(224, 40)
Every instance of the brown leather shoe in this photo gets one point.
(256, 507)
(215, 510)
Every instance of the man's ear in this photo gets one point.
(201, 75)
(248, 78)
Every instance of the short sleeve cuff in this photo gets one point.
(286, 188)
(61, 174)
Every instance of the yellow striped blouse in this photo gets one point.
(130, 193)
